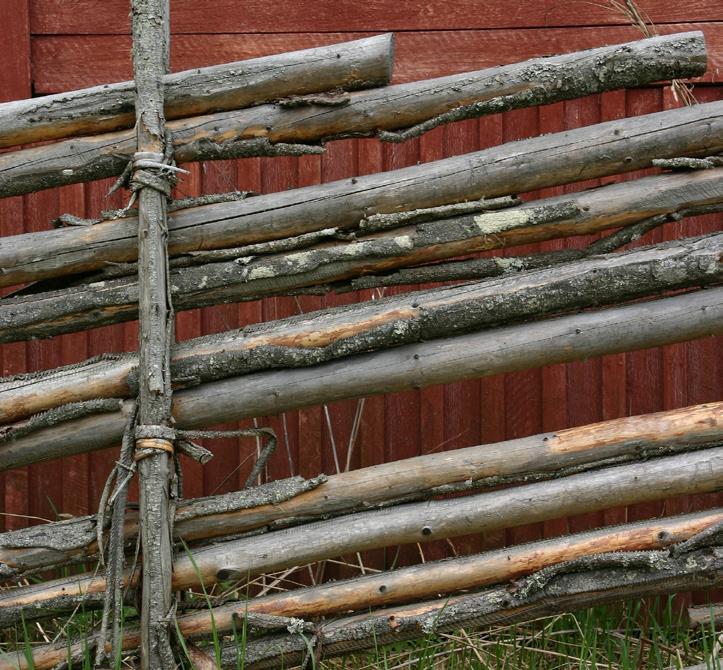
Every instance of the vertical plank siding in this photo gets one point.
(60, 45)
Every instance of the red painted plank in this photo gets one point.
(263, 16)
(60, 63)
(14, 84)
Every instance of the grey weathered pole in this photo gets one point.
(154, 441)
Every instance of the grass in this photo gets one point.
(637, 635)
(634, 636)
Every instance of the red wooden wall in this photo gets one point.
(57, 45)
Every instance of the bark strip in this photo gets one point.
(278, 129)
(331, 334)
(151, 44)
(516, 167)
(348, 66)
(296, 501)
(518, 347)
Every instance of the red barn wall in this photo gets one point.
(58, 45)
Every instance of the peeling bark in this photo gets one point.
(688, 473)
(575, 583)
(348, 65)
(525, 165)
(526, 459)
(500, 606)
(498, 350)
(399, 320)
(277, 129)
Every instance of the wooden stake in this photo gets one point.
(150, 22)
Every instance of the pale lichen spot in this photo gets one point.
(499, 221)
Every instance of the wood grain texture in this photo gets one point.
(261, 16)
(418, 55)
(596, 151)
(266, 130)
(539, 456)
(62, 60)
(352, 65)
(475, 355)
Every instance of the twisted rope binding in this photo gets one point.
(148, 169)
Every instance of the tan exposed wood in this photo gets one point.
(521, 459)
(429, 579)
(248, 277)
(693, 472)
(497, 350)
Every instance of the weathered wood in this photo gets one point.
(692, 472)
(577, 552)
(610, 578)
(295, 501)
(597, 280)
(326, 335)
(705, 616)
(350, 66)
(151, 44)
(408, 238)
(589, 152)
(439, 232)
(428, 580)
(643, 574)
(276, 129)
(498, 350)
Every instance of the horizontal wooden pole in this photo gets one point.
(446, 577)
(266, 129)
(100, 303)
(687, 473)
(494, 351)
(584, 153)
(363, 63)
(331, 334)
(692, 472)
(652, 573)
(429, 580)
(438, 233)
(524, 459)
(577, 552)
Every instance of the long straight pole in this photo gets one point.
(150, 21)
